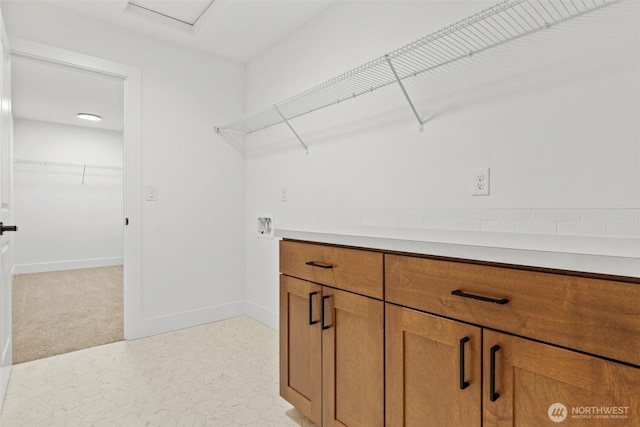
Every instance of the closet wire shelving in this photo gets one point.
(499, 24)
(84, 166)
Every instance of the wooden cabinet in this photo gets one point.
(348, 269)
(433, 370)
(353, 360)
(523, 382)
(371, 339)
(301, 346)
(588, 314)
(535, 384)
(440, 372)
(331, 340)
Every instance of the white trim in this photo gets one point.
(172, 322)
(7, 346)
(6, 353)
(5, 370)
(77, 264)
(262, 314)
(132, 78)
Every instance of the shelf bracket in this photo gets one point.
(238, 146)
(292, 129)
(404, 91)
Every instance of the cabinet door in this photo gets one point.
(534, 384)
(300, 346)
(433, 370)
(353, 360)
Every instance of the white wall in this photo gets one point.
(554, 115)
(542, 112)
(63, 222)
(193, 246)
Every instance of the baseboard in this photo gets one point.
(261, 314)
(66, 265)
(173, 322)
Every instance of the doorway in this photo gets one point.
(134, 325)
(69, 200)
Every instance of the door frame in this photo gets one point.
(6, 342)
(132, 177)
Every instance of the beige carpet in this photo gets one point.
(63, 311)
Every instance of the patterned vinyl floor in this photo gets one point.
(219, 374)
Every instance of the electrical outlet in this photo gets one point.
(283, 194)
(480, 182)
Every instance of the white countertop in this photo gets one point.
(616, 256)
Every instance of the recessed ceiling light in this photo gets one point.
(89, 116)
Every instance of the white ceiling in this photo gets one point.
(235, 29)
(51, 93)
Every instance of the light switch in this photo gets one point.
(151, 193)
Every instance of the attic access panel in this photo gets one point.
(179, 14)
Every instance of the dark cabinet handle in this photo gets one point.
(311, 321)
(324, 298)
(4, 228)
(315, 264)
(459, 293)
(493, 395)
(463, 384)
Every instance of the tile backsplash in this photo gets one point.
(601, 222)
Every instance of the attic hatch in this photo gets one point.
(181, 15)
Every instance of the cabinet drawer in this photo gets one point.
(593, 315)
(353, 270)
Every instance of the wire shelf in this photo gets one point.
(76, 165)
(506, 21)
(84, 166)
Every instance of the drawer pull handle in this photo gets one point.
(459, 293)
(463, 384)
(311, 321)
(324, 298)
(319, 265)
(493, 394)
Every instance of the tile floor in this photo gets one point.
(220, 374)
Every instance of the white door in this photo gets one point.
(6, 210)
